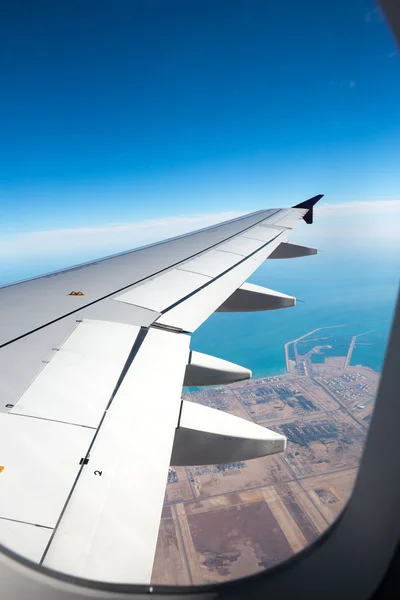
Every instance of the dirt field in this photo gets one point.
(250, 474)
(233, 535)
(330, 492)
(229, 536)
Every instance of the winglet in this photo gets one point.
(309, 204)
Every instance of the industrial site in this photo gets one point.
(222, 522)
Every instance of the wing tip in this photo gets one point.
(309, 205)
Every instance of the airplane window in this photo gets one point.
(125, 124)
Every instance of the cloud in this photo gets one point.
(364, 224)
(393, 54)
(360, 207)
(107, 239)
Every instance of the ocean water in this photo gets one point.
(356, 289)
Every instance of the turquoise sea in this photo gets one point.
(353, 288)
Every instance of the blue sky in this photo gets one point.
(130, 111)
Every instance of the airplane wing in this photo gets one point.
(92, 364)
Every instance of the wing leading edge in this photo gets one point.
(91, 426)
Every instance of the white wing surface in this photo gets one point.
(92, 364)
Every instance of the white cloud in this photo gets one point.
(360, 207)
(357, 222)
(110, 238)
(361, 224)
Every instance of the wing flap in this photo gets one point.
(24, 538)
(41, 460)
(109, 528)
(242, 245)
(211, 263)
(192, 311)
(287, 218)
(159, 293)
(262, 232)
(23, 360)
(77, 383)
